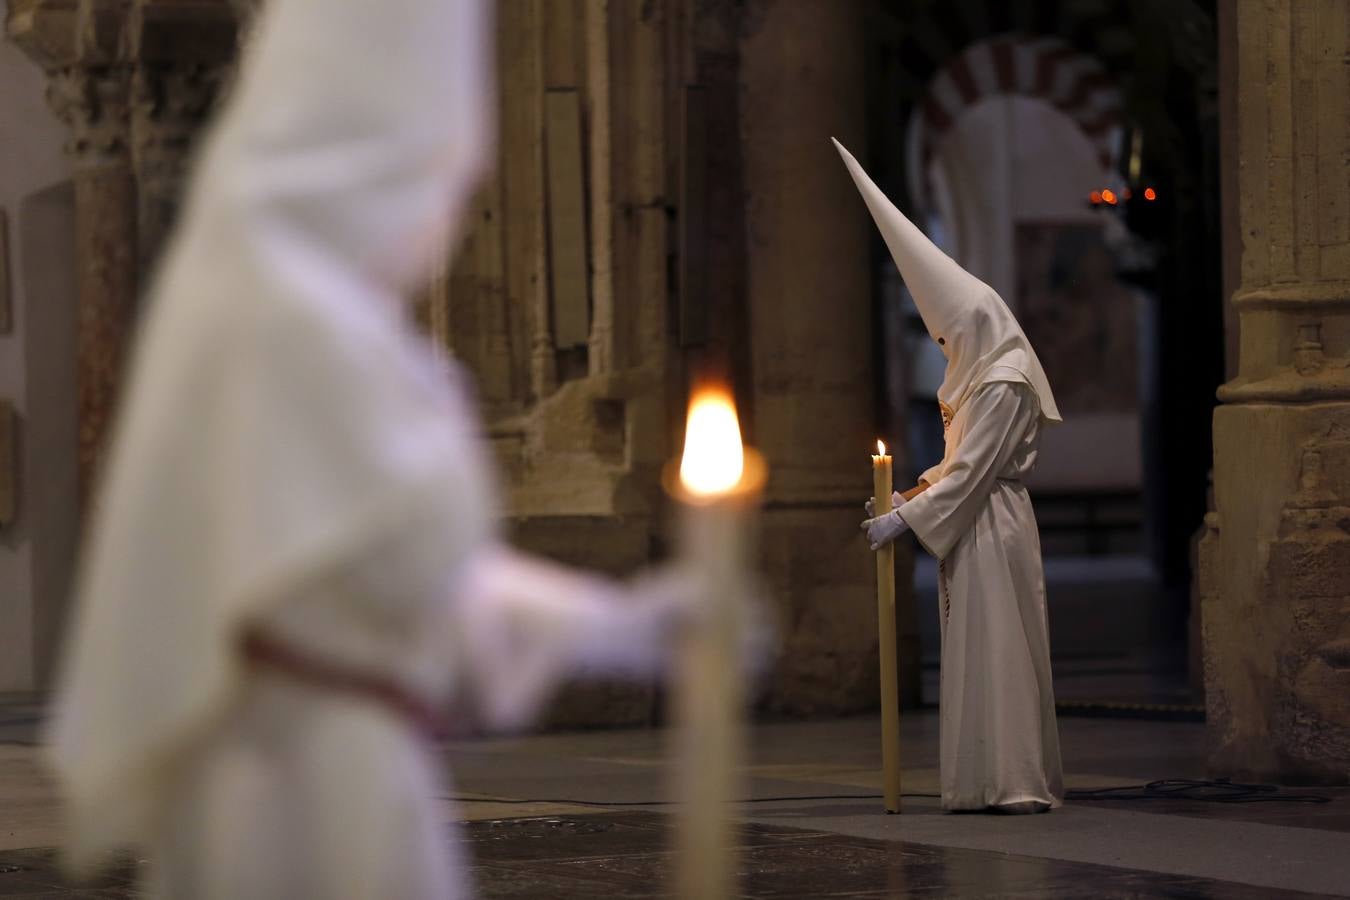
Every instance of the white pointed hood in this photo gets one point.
(977, 331)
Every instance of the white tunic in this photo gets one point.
(998, 734)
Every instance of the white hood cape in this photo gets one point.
(279, 415)
(977, 331)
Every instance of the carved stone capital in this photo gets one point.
(182, 52)
(93, 100)
(169, 104)
(45, 30)
(245, 11)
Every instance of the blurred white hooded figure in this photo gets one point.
(1000, 744)
(293, 561)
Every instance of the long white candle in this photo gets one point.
(886, 638)
(718, 488)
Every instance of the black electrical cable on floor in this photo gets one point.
(1220, 790)
(618, 803)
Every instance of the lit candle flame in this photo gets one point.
(714, 459)
(881, 449)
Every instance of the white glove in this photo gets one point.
(884, 529)
(521, 625)
(897, 501)
(678, 595)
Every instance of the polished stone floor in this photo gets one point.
(625, 855)
(582, 815)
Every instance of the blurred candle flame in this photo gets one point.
(881, 448)
(714, 459)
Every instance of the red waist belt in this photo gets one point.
(264, 651)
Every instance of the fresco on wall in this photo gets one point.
(1082, 321)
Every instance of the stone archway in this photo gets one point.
(1162, 59)
(1042, 68)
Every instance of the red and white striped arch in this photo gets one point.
(1044, 68)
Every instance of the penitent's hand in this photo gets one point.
(897, 499)
(678, 595)
(884, 529)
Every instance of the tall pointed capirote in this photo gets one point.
(978, 333)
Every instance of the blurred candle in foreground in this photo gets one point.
(886, 638)
(718, 487)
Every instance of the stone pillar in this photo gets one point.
(90, 91)
(245, 14)
(1276, 560)
(598, 72)
(134, 80)
(803, 73)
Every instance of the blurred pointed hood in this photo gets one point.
(977, 331)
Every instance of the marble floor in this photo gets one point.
(583, 815)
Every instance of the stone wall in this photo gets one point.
(37, 367)
(1275, 562)
(665, 207)
(721, 238)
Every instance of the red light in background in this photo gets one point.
(1095, 197)
(1150, 194)
(1109, 197)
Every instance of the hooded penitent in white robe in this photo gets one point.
(1000, 744)
(291, 461)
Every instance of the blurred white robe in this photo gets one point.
(999, 739)
(290, 457)
(303, 791)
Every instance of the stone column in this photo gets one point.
(522, 38)
(90, 91)
(1276, 566)
(810, 306)
(134, 80)
(245, 14)
(598, 69)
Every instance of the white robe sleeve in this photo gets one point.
(934, 474)
(999, 417)
(520, 625)
(500, 628)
